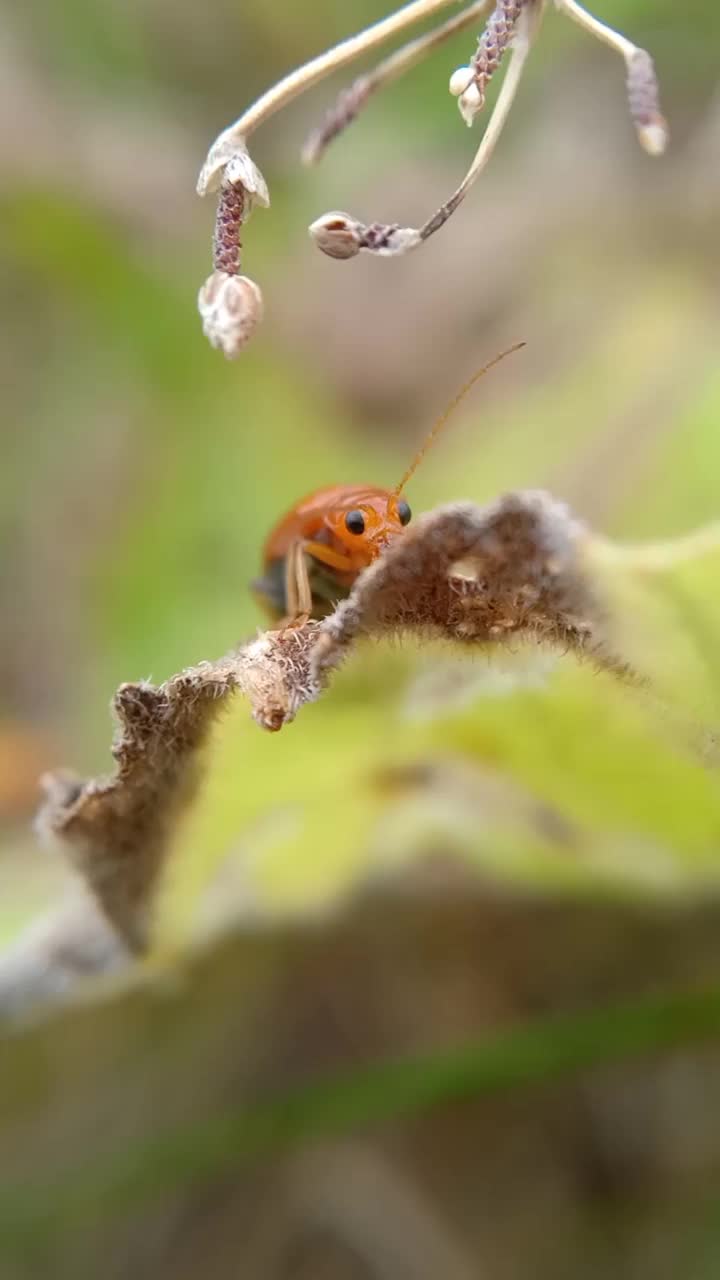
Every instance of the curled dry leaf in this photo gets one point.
(478, 576)
(474, 575)
(117, 830)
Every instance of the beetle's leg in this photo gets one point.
(298, 592)
(326, 555)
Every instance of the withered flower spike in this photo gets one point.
(228, 221)
(390, 240)
(228, 161)
(492, 47)
(352, 100)
(512, 26)
(643, 89)
(644, 101)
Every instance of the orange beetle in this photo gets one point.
(314, 554)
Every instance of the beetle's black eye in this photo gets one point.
(404, 512)
(355, 522)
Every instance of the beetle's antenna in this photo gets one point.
(435, 432)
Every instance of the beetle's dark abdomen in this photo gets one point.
(326, 590)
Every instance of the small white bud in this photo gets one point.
(339, 235)
(460, 80)
(653, 137)
(231, 308)
(469, 103)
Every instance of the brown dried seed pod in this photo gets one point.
(338, 234)
(494, 42)
(228, 221)
(644, 102)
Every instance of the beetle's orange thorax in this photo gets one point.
(320, 517)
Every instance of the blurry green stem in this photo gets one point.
(656, 557)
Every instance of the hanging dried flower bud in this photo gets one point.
(339, 235)
(228, 221)
(644, 100)
(231, 308)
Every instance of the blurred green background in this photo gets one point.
(141, 471)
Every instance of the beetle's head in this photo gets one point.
(366, 521)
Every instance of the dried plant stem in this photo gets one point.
(526, 30)
(230, 304)
(292, 85)
(596, 28)
(642, 85)
(351, 101)
(340, 235)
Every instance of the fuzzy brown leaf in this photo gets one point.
(117, 830)
(474, 575)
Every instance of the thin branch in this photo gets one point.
(351, 101)
(595, 27)
(526, 31)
